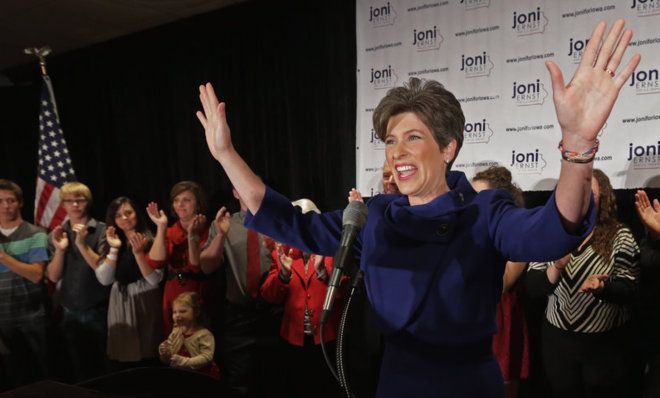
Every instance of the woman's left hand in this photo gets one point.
(585, 103)
(137, 242)
(594, 283)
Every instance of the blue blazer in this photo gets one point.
(433, 273)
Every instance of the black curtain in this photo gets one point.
(127, 107)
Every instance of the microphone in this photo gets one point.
(354, 217)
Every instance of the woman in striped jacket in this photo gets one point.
(587, 337)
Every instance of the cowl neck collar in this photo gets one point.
(431, 221)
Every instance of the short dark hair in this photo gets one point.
(438, 109)
(195, 189)
(9, 185)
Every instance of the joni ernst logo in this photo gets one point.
(375, 141)
(477, 132)
(576, 49)
(427, 39)
(474, 4)
(529, 22)
(476, 65)
(527, 162)
(383, 77)
(645, 81)
(529, 93)
(644, 156)
(646, 8)
(382, 14)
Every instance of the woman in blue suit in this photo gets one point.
(433, 256)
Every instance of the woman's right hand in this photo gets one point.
(214, 121)
(157, 216)
(286, 259)
(60, 239)
(112, 238)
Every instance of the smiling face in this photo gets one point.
(185, 205)
(126, 218)
(182, 314)
(418, 162)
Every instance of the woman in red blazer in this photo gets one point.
(299, 282)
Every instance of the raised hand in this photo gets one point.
(354, 195)
(197, 225)
(157, 216)
(112, 238)
(594, 283)
(286, 259)
(81, 233)
(222, 221)
(137, 241)
(214, 121)
(60, 239)
(585, 103)
(649, 215)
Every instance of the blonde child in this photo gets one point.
(190, 345)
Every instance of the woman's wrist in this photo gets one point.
(112, 254)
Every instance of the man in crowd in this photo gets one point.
(23, 321)
(250, 328)
(75, 248)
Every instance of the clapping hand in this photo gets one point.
(222, 221)
(137, 241)
(196, 226)
(649, 215)
(594, 283)
(112, 238)
(286, 259)
(81, 233)
(157, 216)
(60, 239)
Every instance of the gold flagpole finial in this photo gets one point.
(41, 53)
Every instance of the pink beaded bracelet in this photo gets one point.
(577, 157)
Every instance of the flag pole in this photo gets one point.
(41, 53)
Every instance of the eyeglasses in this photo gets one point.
(74, 201)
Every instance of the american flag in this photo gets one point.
(55, 167)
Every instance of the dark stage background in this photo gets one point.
(286, 70)
(127, 107)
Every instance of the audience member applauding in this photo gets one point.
(75, 256)
(587, 335)
(134, 322)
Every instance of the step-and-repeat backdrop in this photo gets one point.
(490, 54)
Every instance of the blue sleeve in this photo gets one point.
(310, 232)
(534, 234)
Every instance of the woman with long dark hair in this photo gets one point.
(134, 324)
(586, 334)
